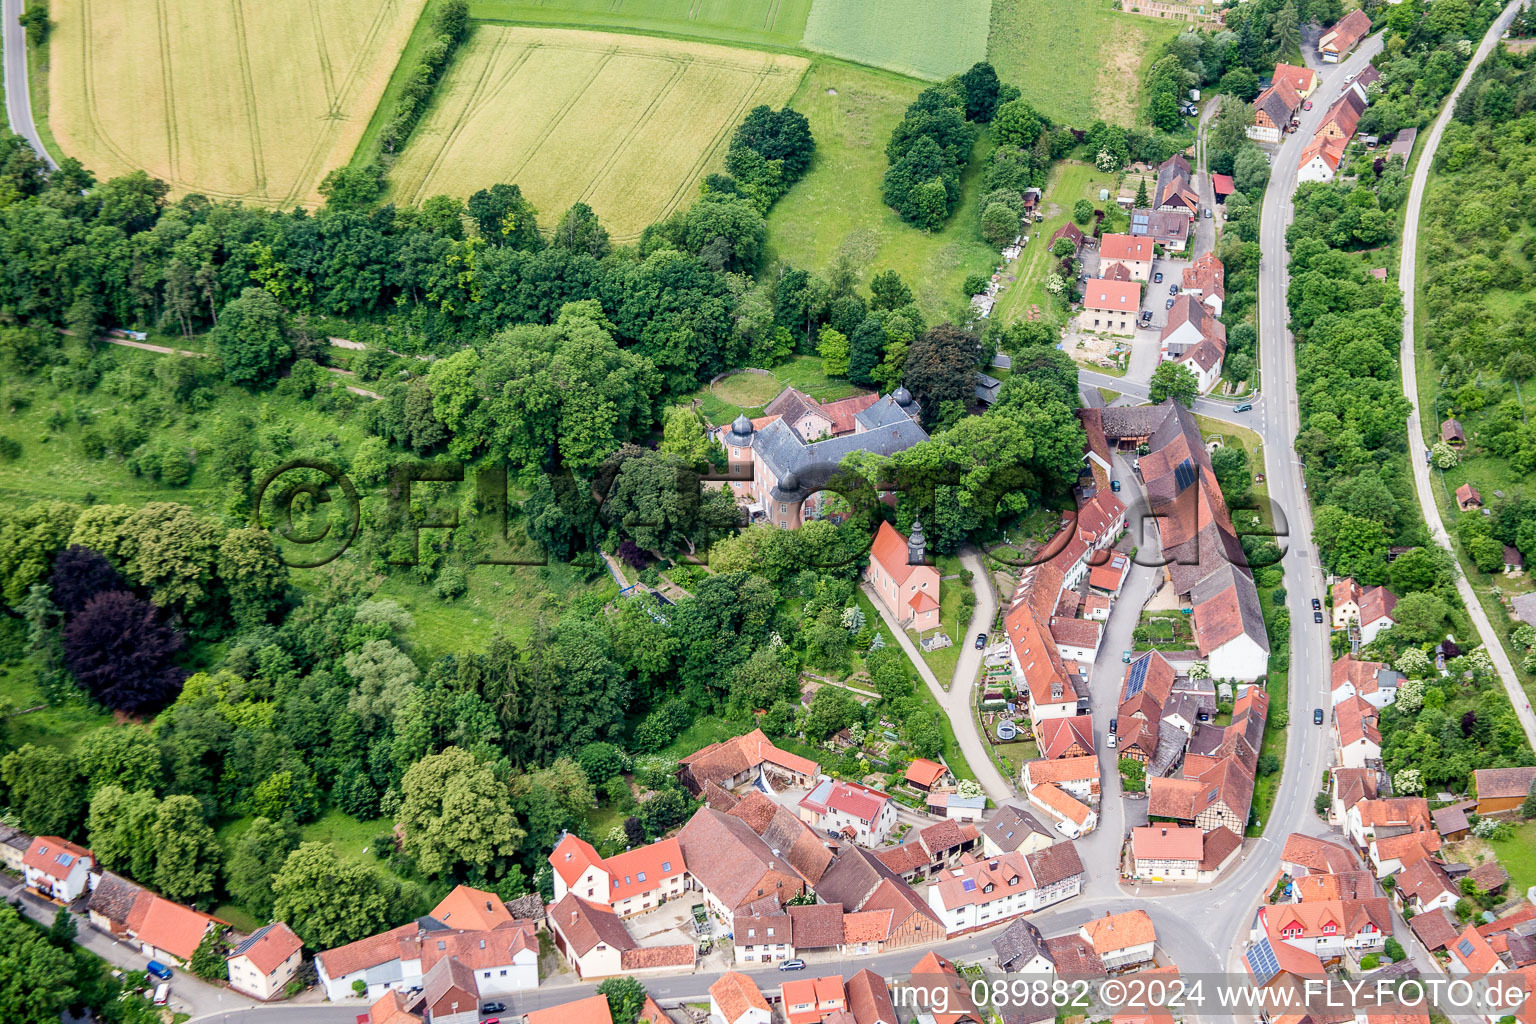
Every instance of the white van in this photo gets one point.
(162, 993)
(1070, 829)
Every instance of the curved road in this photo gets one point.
(1421, 476)
(18, 96)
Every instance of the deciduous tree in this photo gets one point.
(456, 814)
(118, 648)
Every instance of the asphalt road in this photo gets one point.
(1215, 408)
(1421, 469)
(18, 96)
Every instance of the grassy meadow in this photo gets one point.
(836, 208)
(912, 37)
(626, 124)
(749, 392)
(770, 22)
(235, 101)
(1070, 181)
(1076, 60)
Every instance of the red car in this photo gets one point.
(1307, 105)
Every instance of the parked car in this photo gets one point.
(1245, 407)
(1125, 657)
(1173, 289)
(1307, 105)
(1316, 604)
(792, 965)
(1168, 304)
(1114, 485)
(1317, 716)
(491, 1020)
(1069, 829)
(981, 641)
(1207, 213)
(1146, 317)
(1157, 278)
(1111, 741)
(1317, 617)
(1114, 723)
(159, 970)
(493, 1007)
(162, 993)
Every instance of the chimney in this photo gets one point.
(916, 544)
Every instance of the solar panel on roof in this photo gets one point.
(1185, 474)
(969, 885)
(1138, 677)
(1262, 961)
(1465, 945)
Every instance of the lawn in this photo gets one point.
(1518, 855)
(1165, 631)
(505, 598)
(58, 726)
(836, 208)
(627, 124)
(766, 22)
(1254, 446)
(235, 101)
(1076, 60)
(1070, 181)
(913, 37)
(749, 392)
(951, 592)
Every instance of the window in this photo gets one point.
(782, 508)
(503, 974)
(640, 875)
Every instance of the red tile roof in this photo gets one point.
(890, 552)
(734, 993)
(1125, 247)
(1057, 736)
(1113, 296)
(572, 856)
(1474, 952)
(1114, 932)
(270, 947)
(643, 870)
(53, 856)
(1167, 842)
(1502, 783)
(923, 772)
(475, 909)
(591, 1010)
(170, 926)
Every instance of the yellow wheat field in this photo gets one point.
(231, 98)
(626, 124)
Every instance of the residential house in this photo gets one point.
(1163, 853)
(1471, 953)
(733, 865)
(1336, 42)
(578, 868)
(881, 911)
(1468, 499)
(1058, 873)
(1501, 789)
(905, 584)
(1168, 228)
(57, 869)
(450, 994)
(1072, 233)
(1320, 160)
(589, 936)
(1371, 607)
(862, 814)
(1121, 941)
(956, 807)
(869, 1000)
(780, 461)
(982, 892)
(1195, 338)
(810, 1000)
(14, 844)
(1132, 251)
(1273, 111)
(925, 775)
(1370, 818)
(1021, 949)
(1348, 787)
(735, 999)
(1328, 928)
(1284, 970)
(1013, 828)
(946, 994)
(264, 963)
(817, 927)
(1176, 189)
(1108, 577)
(778, 827)
(1356, 884)
(590, 1010)
(396, 1007)
(1361, 87)
(1358, 732)
(1340, 121)
(1372, 681)
(1065, 737)
(1437, 929)
(1302, 80)
(1206, 280)
(1110, 307)
(1220, 797)
(1424, 886)
(644, 878)
(156, 926)
(931, 848)
(1078, 776)
(1229, 624)
(763, 933)
(736, 762)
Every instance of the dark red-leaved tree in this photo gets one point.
(634, 554)
(121, 652)
(79, 574)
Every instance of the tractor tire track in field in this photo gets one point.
(771, 17)
(471, 105)
(327, 76)
(168, 86)
(681, 67)
(560, 114)
(248, 89)
(310, 169)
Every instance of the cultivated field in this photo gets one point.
(626, 124)
(1076, 60)
(235, 100)
(836, 208)
(778, 22)
(914, 37)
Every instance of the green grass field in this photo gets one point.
(1076, 60)
(764, 22)
(749, 392)
(836, 208)
(627, 124)
(236, 101)
(58, 726)
(1070, 181)
(944, 660)
(913, 37)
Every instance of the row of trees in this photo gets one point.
(450, 27)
